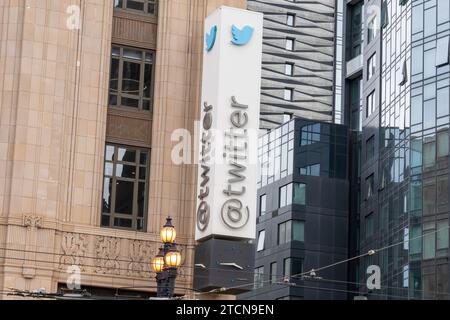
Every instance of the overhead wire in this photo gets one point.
(369, 253)
(281, 277)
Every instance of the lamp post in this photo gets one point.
(167, 262)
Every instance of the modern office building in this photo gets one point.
(303, 212)
(392, 93)
(298, 60)
(89, 98)
(396, 98)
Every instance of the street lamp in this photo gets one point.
(167, 262)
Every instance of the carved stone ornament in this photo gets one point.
(74, 248)
(107, 252)
(31, 221)
(140, 255)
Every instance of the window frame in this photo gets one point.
(370, 104)
(273, 272)
(261, 211)
(290, 41)
(146, 4)
(261, 241)
(290, 92)
(258, 280)
(293, 16)
(285, 231)
(371, 66)
(135, 215)
(372, 29)
(143, 63)
(291, 66)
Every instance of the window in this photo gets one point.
(292, 230)
(288, 94)
(384, 14)
(370, 108)
(289, 69)
(273, 273)
(290, 20)
(372, 29)
(131, 82)
(429, 240)
(310, 134)
(442, 191)
(299, 194)
(429, 152)
(443, 11)
(442, 52)
(125, 188)
(259, 278)
(370, 148)
(292, 267)
(429, 63)
(287, 268)
(261, 240)
(293, 193)
(356, 29)
(290, 44)
(429, 197)
(369, 226)
(284, 232)
(262, 205)
(442, 143)
(370, 187)
(371, 66)
(443, 102)
(146, 6)
(298, 231)
(442, 235)
(403, 77)
(405, 276)
(406, 239)
(416, 194)
(430, 18)
(312, 170)
(286, 195)
(415, 243)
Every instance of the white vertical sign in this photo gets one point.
(227, 170)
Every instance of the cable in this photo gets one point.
(346, 291)
(369, 253)
(68, 255)
(190, 267)
(106, 259)
(382, 287)
(92, 266)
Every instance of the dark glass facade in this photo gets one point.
(399, 180)
(304, 222)
(386, 186)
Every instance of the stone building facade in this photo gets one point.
(61, 107)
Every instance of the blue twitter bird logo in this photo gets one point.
(211, 38)
(241, 36)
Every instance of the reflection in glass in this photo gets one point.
(299, 194)
(430, 63)
(124, 197)
(131, 78)
(443, 102)
(107, 189)
(127, 155)
(124, 171)
(109, 169)
(429, 152)
(429, 198)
